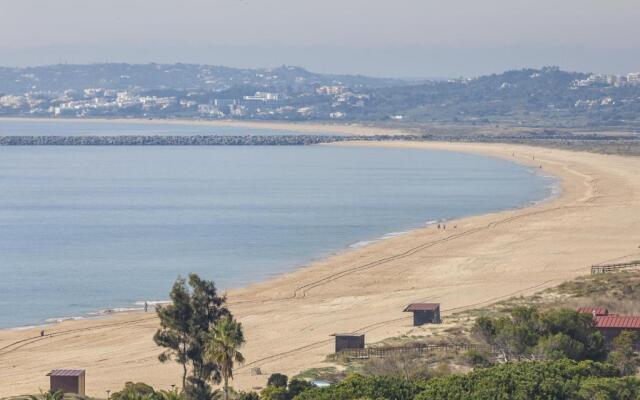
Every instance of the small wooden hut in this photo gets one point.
(347, 341)
(424, 313)
(67, 380)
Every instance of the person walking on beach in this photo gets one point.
(146, 306)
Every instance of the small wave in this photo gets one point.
(27, 327)
(386, 236)
(151, 302)
(363, 243)
(139, 306)
(57, 320)
(114, 310)
(393, 234)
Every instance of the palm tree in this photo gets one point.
(222, 348)
(49, 395)
(173, 394)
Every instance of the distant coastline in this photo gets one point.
(355, 129)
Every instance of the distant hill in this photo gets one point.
(55, 78)
(528, 96)
(546, 97)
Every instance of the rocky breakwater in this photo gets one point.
(196, 140)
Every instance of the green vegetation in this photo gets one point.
(279, 388)
(623, 353)
(552, 335)
(135, 391)
(187, 327)
(222, 348)
(618, 291)
(328, 374)
(142, 391)
(361, 387)
(532, 348)
(278, 380)
(562, 379)
(49, 395)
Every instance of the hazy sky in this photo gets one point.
(407, 38)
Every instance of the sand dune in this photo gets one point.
(288, 320)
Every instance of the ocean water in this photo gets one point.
(84, 229)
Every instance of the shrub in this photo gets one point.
(278, 380)
(274, 393)
(552, 335)
(297, 386)
(477, 358)
(361, 387)
(134, 391)
(404, 365)
(564, 379)
(248, 396)
(525, 380)
(623, 354)
(560, 346)
(609, 389)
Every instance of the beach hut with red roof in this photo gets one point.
(595, 311)
(67, 380)
(612, 325)
(424, 313)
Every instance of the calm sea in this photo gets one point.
(84, 229)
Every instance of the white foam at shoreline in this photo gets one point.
(93, 314)
(386, 236)
(57, 320)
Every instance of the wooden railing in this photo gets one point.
(605, 268)
(381, 352)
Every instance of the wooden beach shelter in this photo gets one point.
(424, 313)
(67, 380)
(595, 311)
(347, 341)
(612, 325)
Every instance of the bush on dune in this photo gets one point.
(627, 388)
(552, 335)
(358, 387)
(526, 380)
(563, 379)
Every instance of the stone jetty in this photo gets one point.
(196, 140)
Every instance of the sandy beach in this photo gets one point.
(288, 320)
(298, 127)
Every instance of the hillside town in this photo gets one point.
(291, 93)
